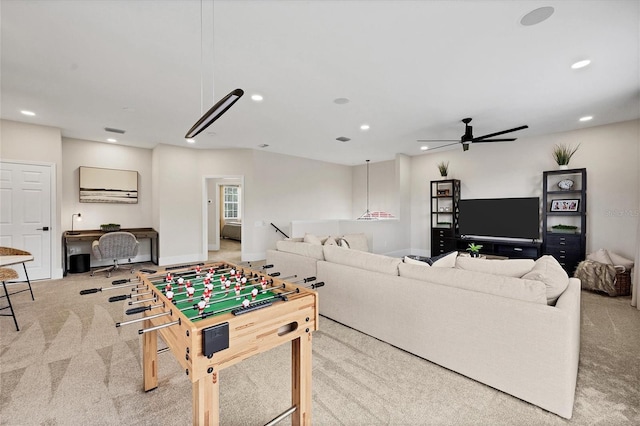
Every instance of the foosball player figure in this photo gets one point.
(243, 282)
(190, 291)
(227, 285)
(237, 291)
(169, 278)
(201, 306)
(263, 283)
(245, 303)
(254, 294)
(169, 295)
(180, 282)
(198, 270)
(168, 288)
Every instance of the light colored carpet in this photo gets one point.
(70, 365)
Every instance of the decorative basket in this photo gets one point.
(622, 282)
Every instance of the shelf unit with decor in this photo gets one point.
(565, 203)
(445, 211)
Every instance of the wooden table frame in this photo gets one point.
(251, 333)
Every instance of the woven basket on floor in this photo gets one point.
(622, 282)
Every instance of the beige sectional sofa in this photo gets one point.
(512, 325)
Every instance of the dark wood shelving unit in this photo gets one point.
(445, 210)
(569, 249)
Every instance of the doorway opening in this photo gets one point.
(223, 218)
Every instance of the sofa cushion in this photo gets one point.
(510, 287)
(548, 271)
(331, 241)
(507, 267)
(355, 242)
(302, 249)
(362, 260)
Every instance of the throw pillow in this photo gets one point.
(331, 241)
(356, 241)
(312, 239)
(618, 260)
(548, 270)
(412, 261)
(601, 256)
(447, 260)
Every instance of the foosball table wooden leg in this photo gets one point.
(150, 360)
(301, 380)
(206, 401)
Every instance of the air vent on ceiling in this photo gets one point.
(112, 130)
(343, 139)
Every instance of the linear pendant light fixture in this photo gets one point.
(214, 113)
(221, 106)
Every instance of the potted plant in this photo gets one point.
(563, 153)
(564, 229)
(443, 168)
(110, 227)
(474, 249)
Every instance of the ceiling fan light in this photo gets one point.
(214, 113)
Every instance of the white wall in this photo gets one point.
(76, 153)
(514, 169)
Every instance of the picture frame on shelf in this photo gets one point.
(565, 205)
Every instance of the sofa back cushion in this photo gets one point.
(362, 260)
(506, 267)
(548, 270)
(302, 249)
(499, 285)
(354, 242)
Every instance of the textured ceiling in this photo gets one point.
(411, 70)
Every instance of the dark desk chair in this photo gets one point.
(115, 246)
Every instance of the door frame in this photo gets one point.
(55, 250)
(205, 208)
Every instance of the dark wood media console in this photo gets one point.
(510, 249)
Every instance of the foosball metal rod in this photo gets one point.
(163, 350)
(127, 296)
(118, 324)
(187, 274)
(136, 302)
(96, 290)
(141, 309)
(282, 416)
(158, 327)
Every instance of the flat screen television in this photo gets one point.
(500, 217)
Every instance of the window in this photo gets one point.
(231, 202)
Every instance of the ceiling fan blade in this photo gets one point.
(443, 146)
(515, 129)
(494, 140)
(438, 140)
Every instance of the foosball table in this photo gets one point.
(216, 315)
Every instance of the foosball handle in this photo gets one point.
(267, 266)
(316, 285)
(116, 282)
(309, 279)
(137, 310)
(90, 290)
(275, 274)
(118, 298)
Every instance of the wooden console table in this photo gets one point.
(94, 234)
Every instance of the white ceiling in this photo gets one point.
(411, 70)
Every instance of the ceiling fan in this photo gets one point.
(468, 137)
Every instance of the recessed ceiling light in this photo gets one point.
(581, 64)
(537, 16)
(189, 140)
(29, 113)
(424, 148)
(341, 101)
(111, 140)
(256, 97)
(364, 127)
(586, 118)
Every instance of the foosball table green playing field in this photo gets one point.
(216, 315)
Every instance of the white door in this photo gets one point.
(25, 214)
